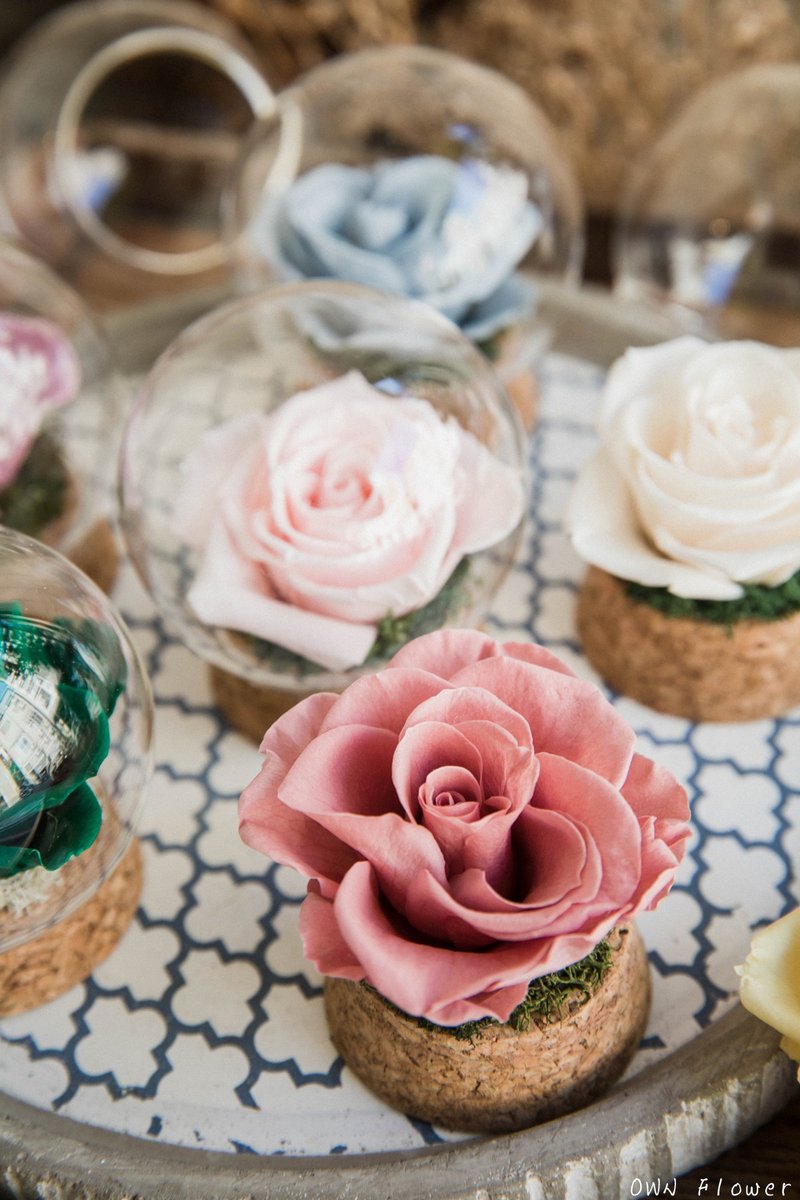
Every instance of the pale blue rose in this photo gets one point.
(448, 233)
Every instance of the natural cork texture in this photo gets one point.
(706, 672)
(97, 555)
(52, 963)
(248, 708)
(524, 393)
(502, 1079)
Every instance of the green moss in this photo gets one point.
(39, 492)
(491, 347)
(393, 632)
(548, 998)
(759, 603)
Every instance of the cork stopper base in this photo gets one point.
(52, 963)
(519, 377)
(97, 555)
(743, 672)
(248, 708)
(524, 392)
(501, 1080)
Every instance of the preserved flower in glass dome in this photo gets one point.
(75, 734)
(315, 474)
(710, 224)
(414, 171)
(59, 415)
(119, 121)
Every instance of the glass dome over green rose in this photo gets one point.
(75, 738)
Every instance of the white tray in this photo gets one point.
(196, 1061)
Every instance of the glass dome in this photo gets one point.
(60, 414)
(316, 473)
(415, 171)
(710, 226)
(75, 736)
(118, 123)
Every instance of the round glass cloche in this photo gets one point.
(75, 738)
(710, 226)
(316, 473)
(412, 170)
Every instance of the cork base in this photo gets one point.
(501, 1080)
(744, 672)
(97, 555)
(524, 393)
(248, 708)
(52, 963)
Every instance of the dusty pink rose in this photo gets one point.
(470, 818)
(39, 370)
(341, 507)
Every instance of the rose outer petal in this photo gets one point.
(446, 986)
(291, 733)
(446, 651)
(568, 717)
(287, 836)
(382, 700)
(323, 944)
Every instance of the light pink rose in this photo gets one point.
(472, 817)
(341, 507)
(39, 370)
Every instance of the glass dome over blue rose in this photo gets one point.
(413, 171)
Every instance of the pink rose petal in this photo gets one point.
(382, 701)
(322, 941)
(290, 837)
(464, 835)
(345, 505)
(567, 716)
(431, 981)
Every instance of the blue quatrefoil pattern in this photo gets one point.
(205, 1028)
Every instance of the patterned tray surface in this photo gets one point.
(205, 1028)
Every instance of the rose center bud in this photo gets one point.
(340, 491)
(450, 793)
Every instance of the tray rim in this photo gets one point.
(672, 1116)
(626, 1135)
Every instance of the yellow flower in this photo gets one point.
(770, 987)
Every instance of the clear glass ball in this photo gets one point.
(76, 718)
(118, 122)
(60, 412)
(303, 478)
(710, 225)
(412, 170)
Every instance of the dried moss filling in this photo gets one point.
(548, 998)
(393, 632)
(758, 603)
(38, 494)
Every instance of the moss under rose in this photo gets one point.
(759, 603)
(547, 999)
(38, 494)
(393, 632)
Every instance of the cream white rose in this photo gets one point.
(696, 484)
(341, 507)
(770, 987)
